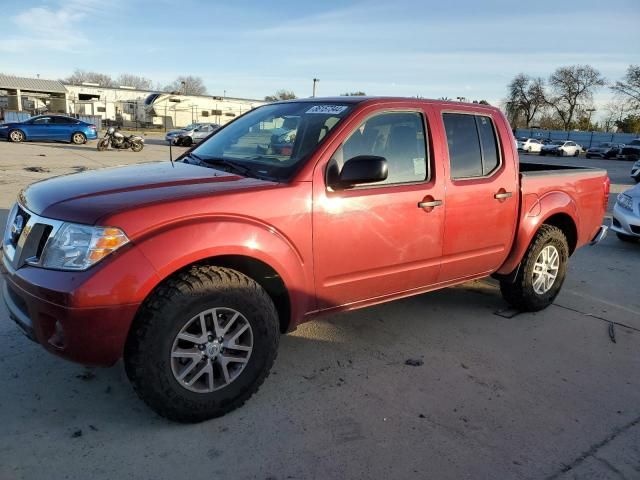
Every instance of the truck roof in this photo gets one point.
(385, 99)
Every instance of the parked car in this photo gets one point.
(635, 171)
(531, 145)
(562, 148)
(626, 215)
(357, 213)
(49, 127)
(604, 150)
(185, 136)
(631, 151)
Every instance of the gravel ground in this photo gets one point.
(544, 395)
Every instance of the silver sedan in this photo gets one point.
(626, 215)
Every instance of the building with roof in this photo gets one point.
(122, 105)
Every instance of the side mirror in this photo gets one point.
(363, 169)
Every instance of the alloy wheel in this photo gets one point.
(545, 269)
(211, 350)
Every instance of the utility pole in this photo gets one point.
(315, 80)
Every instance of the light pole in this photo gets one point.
(184, 87)
(315, 80)
(590, 110)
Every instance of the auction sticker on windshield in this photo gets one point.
(327, 109)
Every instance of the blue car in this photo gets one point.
(49, 127)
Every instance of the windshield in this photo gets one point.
(193, 126)
(557, 142)
(273, 140)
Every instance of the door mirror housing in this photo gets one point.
(362, 169)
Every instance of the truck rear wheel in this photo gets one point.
(541, 273)
(202, 344)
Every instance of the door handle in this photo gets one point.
(434, 203)
(502, 195)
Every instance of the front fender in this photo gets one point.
(184, 244)
(535, 212)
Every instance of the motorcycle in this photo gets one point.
(117, 140)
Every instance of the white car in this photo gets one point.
(529, 145)
(561, 148)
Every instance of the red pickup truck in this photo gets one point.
(190, 271)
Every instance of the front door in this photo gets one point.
(40, 128)
(481, 203)
(375, 240)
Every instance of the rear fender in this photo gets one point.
(172, 249)
(536, 211)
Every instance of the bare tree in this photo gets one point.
(572, 90)
(81, 76)
(135, 81)
(187, 85)
(525, 98)
(629, 87)
(281, 95)
(614, 111)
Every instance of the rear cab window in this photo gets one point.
(472, 144)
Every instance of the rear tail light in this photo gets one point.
(607, 189)
(92, 127)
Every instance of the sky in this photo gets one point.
(251, 48)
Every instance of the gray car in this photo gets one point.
(635, 171)
(605, 150)
(626, 215)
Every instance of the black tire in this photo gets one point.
(542, 153)
(184, 295)
(577, 154)
(137, 146)
(587, 156)
(103, 145)
(78, 138)
(626, 238)
(521, 294)
(187, 141)
(16, 136)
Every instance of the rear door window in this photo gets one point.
(472, 144)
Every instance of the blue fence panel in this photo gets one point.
(586, 139)
(11, 116)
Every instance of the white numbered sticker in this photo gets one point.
(327, 109)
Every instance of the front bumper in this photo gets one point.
(625, 221)
(87, 335)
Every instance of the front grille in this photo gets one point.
(17, 300)
(635, 229)
(26, 236)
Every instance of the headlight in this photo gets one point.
(77, 247)
(625, 201)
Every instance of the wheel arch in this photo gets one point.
(555, 208)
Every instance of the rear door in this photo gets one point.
(61, 128)
(481, 202)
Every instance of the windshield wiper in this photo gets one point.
(238, 167)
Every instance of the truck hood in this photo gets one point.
(89, 196)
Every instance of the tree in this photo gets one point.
(613, 113)
(135, 81)
(353, 94)
(281, 95)
(81, 76)
(630, 86)
(572, 90)
(187, 85)
(525, 98)
(629, 124)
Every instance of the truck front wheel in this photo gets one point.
(202, 344)
(541, 273)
